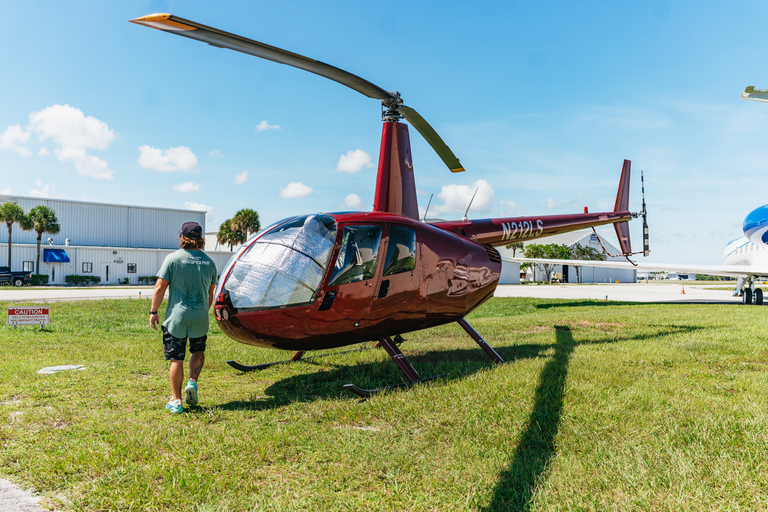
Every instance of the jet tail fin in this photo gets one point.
(622, 205)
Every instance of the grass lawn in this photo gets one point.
(600, 407)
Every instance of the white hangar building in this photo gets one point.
(510, 272)
(114, 242)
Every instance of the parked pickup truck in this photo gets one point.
(14, 278)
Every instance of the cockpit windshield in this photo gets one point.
(284, 266)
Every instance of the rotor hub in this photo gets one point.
(392, 108)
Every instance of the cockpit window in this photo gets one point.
(357, 255)
(284, 266)
(401, 252)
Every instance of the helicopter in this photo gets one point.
(322, 281)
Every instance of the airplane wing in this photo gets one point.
(750, 93)
(743, 271)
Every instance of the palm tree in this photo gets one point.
(228, 236)
(246, 221)
(11, 212)
(43, 220)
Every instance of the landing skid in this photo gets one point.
(298, 356)
(409, 371)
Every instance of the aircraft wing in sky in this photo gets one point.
(750, 93)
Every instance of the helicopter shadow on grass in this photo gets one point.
(446, 365)
(518, 482)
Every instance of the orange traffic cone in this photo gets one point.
(683, 290)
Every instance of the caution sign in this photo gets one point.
(29, 316)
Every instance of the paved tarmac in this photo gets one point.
(45, 294)
(13, 499)
(626, 292)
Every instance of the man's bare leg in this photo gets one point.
(177, 377)
(196, 362)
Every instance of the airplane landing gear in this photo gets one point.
(749, 297)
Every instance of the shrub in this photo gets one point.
(39, 280)
(77, 280)
(124, 280)
(147, 279)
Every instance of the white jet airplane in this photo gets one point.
(745, 258)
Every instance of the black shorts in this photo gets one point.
(175, 348)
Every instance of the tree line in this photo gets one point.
(555, 252)
(236, 230)
(40, 218)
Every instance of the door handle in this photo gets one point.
(383, 289)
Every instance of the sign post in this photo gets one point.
(29, 316)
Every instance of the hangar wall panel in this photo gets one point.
(106, 225)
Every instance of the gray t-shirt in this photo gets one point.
(190, 275)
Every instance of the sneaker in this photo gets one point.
(190, 392)
(175, 406)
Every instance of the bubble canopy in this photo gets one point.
(282, 266)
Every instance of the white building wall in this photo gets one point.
(106, 225)
(109, 263)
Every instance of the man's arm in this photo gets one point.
(157, 298)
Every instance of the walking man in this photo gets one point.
(190, 277)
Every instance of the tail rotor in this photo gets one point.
(644, 215)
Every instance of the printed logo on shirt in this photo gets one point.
(195, 261)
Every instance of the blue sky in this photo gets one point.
(541, 101)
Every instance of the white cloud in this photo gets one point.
(264, 125)
(43, 189)
(43, 152)
(187, 187)
(295, 190)
(180, 158)
(551, 203)
(215, 154)
(354, 161)
(189, 205)
(512, 207)
(15, 139)
(5, 191)
(353, 201)
(75, 134)
(456, 198)
(241, 178)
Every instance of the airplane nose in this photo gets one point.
(756, 225)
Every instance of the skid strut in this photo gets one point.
(480, 341)
(409, 371)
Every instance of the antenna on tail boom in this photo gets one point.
(464, 218)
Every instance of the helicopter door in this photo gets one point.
(397, 292)
(351, 284)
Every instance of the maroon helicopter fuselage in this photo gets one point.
(450, 277)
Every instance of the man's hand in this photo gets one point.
(157, 298)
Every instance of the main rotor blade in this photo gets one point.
(434, 140)
(219, 38)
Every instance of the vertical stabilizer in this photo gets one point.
(622, 205)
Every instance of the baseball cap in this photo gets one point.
(191, 230)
